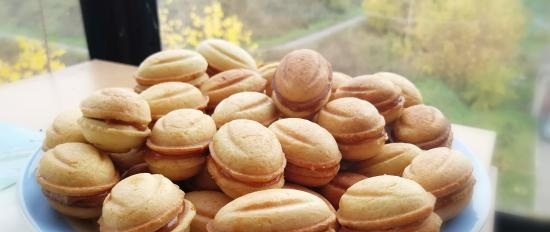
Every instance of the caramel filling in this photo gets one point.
(172, 224)
(138, 168)
(211, 71)
(93, 201)
(185, 77)
(320, 172)
(302, 106)
(345, 183)
(363, 136)
(136, 125)
(227, 175)
(440, 141)
(380, 134)
(444, 201)
(386, 106)
(158, 156)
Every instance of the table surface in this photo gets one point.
(33, 103)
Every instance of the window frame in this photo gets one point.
(124, 31)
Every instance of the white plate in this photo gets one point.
(43, 218)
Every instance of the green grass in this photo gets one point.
(78, 41)
(311, 28)
(512, 121)
(514, 150)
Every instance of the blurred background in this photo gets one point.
(484, 63)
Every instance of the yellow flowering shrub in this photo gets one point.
(31, 60)
(384, 15)
(211, 22)
(472, 49)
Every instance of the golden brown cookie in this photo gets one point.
(383, 94)
(202, 182)
(312, 154)
(334, 190)
(75, 178)
(384, 203)
(302, 83)
(356, 125)
(127, 160)
(207, 204)
(267, 71)
(145, 202)
(289, 185)
(431, 224)
(246, 105)
(227, 83)
(246, 157)
(172, 65)
(64, 129)
(448, 175)
(392, 159)
(274, 210)
(140, 88)
(223, 55)
(338, 79)
(175, 168)
(408, 89)
(178, 142)
(424, 126)
(169, 96)
(115, 119)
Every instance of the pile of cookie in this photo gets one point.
(208, 141)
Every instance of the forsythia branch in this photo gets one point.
(211, 22)
(31, 60)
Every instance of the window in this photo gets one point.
(39, 36)
(484, 63)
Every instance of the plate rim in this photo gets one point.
(485, 175)
(23, 207)
(21, 201)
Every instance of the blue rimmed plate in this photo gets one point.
(42, 217)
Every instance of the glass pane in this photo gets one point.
(479, 66)
(39, 36)
(21, 42)
(65, 32)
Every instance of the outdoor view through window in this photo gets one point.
(39, 36)
(484, 63)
